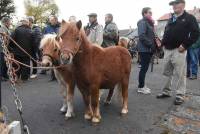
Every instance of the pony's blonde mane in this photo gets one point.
(49, 39)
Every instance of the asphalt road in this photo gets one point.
(42, 100)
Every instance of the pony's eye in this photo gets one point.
(41, 50)
(77, 39)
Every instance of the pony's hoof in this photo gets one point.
(95, 120)
(124, 111)
(69, 115)
(87, 116)
(63, 109)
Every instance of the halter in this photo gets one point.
(69, 50)
(54, 62)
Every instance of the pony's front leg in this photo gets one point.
(70, 96)
(95, 105)
(87, 100)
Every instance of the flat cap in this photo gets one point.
(92, 14)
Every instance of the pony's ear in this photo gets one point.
(79, 24)
(57, 38)
(63, 21)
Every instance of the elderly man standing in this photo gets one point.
(6, 22)
(180, 33)
(93, 30)
(24, 37)
(37, 36)
(110, 32)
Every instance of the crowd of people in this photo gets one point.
(181, 41)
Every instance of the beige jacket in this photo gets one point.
(95, 34)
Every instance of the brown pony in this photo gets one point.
(94, 67)
(51, 57)
(123, 42)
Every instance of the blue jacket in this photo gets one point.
(146, 35)
(50, 29)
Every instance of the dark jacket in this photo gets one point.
(146, 35)
(50, 29)
(37, 34)
(181, 30)
(24, 37)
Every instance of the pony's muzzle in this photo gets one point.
(46, 63)
(66, 59)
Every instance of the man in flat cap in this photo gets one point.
(93, 30)
(180, 33)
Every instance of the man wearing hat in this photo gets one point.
(180, 33)
(93, 30)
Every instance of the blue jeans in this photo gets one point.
(199, 56)
(192, 61)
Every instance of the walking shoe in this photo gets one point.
(144, 90)
(179, 100)
(163, 95)
(147, 88)
(193, 77)
(33, 76)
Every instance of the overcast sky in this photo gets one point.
(126, 12)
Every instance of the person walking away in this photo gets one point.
(37, 36)
(180, 33)
(146, 46)
(6, 23)
(93, 30)
(52, 28)
(110, 32)
(192, 60)
(24, 38)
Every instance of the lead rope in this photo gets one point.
(13, 78)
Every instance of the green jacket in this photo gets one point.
(110, 35)
(196, 44)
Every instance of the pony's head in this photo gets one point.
(123, 42)
(70, 40)
(50, 50)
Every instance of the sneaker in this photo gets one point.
(33, 76)
(193, 77)
(144, 90)
(147, 88)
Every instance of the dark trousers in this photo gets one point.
(145, 59)
(23, 72)
(3, 70)
(34, 63)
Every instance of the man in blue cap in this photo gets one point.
(180, 33)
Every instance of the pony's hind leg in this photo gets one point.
(109, 97)
(70, 96)
(124, 97)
